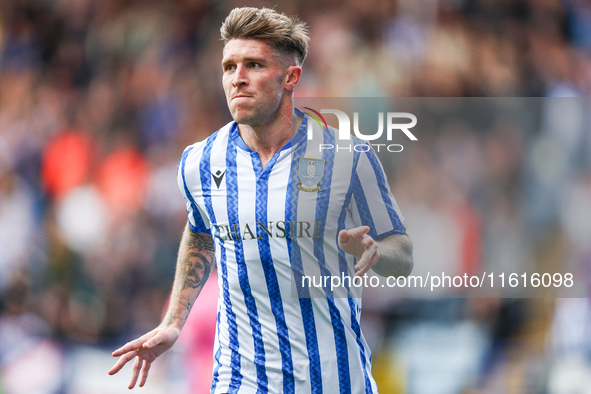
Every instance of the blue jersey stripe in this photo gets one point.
(262, 198)
(382, 184)
(307, 310)
(357, 329)
(199, 226)
(344, 270)
(233, 217)
(362, 206)
(218, 354)
(322, 202)
(234, 345)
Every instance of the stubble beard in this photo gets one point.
(258, 115)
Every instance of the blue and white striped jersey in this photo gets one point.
(271, 226)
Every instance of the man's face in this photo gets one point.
(253, 80)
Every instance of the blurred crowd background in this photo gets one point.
(98, 98)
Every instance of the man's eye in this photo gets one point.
(230, 67)
(255, 65)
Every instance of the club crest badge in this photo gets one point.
(310, 172)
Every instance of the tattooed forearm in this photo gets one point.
(195, 263)
(200, 242)
(172, 317)
(197, 268)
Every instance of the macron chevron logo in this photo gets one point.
(217, 177)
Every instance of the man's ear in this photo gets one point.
(292, 77)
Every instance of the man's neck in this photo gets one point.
(268, 139)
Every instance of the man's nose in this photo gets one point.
(240, 76)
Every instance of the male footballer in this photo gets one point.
(269, 208)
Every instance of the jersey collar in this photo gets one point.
(301, 133)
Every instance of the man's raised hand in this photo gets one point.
(145, 350)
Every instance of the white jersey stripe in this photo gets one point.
(306, 306)
(232, 330)
(195, 219)
(394, 212)
(232, 196)
(264, 249)
(374, 198)
(322, 203)
(292, 315)
(355, 317)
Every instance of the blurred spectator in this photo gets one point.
(121, 178)
(16, 220)
(66, 162)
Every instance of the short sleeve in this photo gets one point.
(188, 179)
(373, 204)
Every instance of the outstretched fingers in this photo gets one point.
(124, 359)
(145, 370)
(137, 366)
(130, 346)
(145, 350)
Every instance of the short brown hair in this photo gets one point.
(284, 33)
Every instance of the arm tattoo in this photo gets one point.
(200, 241)
(195, 263)
(196, 270)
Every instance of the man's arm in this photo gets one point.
(194, 264)
(391, 256)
